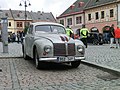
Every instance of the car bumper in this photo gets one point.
(63, 59)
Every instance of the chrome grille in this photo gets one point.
(71, 49)
(59, 49)
(62, 49)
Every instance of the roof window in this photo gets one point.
(20, 11)
(6, 14)
(80, 4)
(72, 6)
(18, 15)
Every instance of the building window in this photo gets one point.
(19, 24)
(89, 17)
(62, 22)
(111, 13)
(9, 24)
(78, 20)
(102, 14)
(6, 14)
(97, 15)
(69, 21)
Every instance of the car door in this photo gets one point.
(29, 40)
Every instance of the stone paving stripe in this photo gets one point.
(10, 57)
(105, 68)
(14, 75)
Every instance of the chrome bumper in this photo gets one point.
(55, 59)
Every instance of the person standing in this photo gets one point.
(18, 36)
(69, 32)
(83, 34)
(111, 34)
(117, 37)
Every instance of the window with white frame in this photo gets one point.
(69, 21)
(9, 24)
(79, 20)
(62, 22)
(89, 17)
(97, 15)
(102, 14)
(111, 13)
(19, 24)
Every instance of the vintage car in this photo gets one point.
(47, 41)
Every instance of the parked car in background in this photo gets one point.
(47, 41)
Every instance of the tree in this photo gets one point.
(25, 29)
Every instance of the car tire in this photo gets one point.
(75, 64)
(26, 57)
(36, 58)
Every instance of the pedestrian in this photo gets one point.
(111, 35)
(69, 32)
(21, 36)
(83, 34)
(18, 36)
(117, 37)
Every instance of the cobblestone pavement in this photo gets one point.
(14, 50)
(19, 74)
(98, 54)
(103, 55)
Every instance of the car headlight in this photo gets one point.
(79, 48)
(47, 48)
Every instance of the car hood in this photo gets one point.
(56, 38)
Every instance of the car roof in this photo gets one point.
(46, 23)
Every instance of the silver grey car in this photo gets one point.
(47, 41)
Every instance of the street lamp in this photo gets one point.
(25, 5)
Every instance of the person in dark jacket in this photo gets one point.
(111, 34)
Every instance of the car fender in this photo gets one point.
(39, 45)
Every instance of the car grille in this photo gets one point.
(71, 49)
(62, 49)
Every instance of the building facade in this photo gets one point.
(101, 14)
(118, 10)
(17, 22)
(74, 16)
(95, 14)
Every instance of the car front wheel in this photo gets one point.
(36, 58)
(75, 64)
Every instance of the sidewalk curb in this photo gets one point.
(103, 67)
(9, 57)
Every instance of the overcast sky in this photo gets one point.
(57, 7)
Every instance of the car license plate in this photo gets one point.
(69, 58)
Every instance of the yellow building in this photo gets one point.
(16, 19)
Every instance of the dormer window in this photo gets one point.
(72, 6)
(6, 14)
(18, 15)
(80, 4)
(20, 11)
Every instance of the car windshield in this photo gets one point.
(50, 29)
